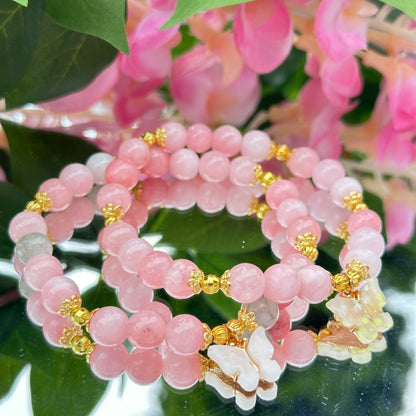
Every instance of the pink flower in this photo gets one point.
(400, 222)
(263, 34)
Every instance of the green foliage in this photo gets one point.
(22, 2)
(407, 6)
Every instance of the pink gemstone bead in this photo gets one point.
(227, 140)
(113, 272)
(364, 218)
(238, 200)
(280, 246)
(299, 348)
(320, 205)
(336, 217)
(365, 256)
(35, 309)
(300, 227)
(342, 188)
(199, 138)
(56, 290)
(176, 136)
(282, 284)
(182, 194)
(132, 252)
(184, 164)
(297, 309)
(60, 226)
(159, 308)
(247, 283)
(270, 226)
(78, 178)
(109, 362)
(81, 212)
(256, 145)
(176, 278)
(123, 172)
(315, 283)
(278, 356)
(135, 150)
(279, 191)
(26, 222)
(53, 327)
(144, 366)
(289, 210)
(214, 166)
(111, 238)
(41, 268)
(109, 326)
(152, 268)
(296, 261)
(211, 197)
(146, 329)
(58, 192)
(342, 254)
(158, 164)
(181, 371)
(304, 187)
(115, 194)
(18, 265)
(133, 294)
(282, 326)
(154, 192)
(98, 163)
(367, 238)
(303, 161)
(184, 334)
(137, 214)
(326, 172)
(242, 171)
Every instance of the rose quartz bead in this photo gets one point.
(56, 290)
(111, 238)
(290, 210)
(113, 272)
(154, 192)
(300, 227)
(81, 212)
(326, 172)
(109, 326)
(78, 178)
(281, 283)
(133, 294)
(278, 356)
(303, 161)
(320, 205)
(182, 194)
(25, 223)
(53, 327)
(214, 166)
(132, 252)
(176, 278)
(242, 171)
(315, 283)
(144, 366)
(199, 138)
(304, 187)
(299, 348)
(270, 226)
(146, 329)
(152, 268)
(137, 214)
(296, 261)
(367, 238)
(279, 191)
(41, 268)
(256, 145)
(282, 326)
(109, 362)
(342, 188)
(247, 283)
(135, 150)
(176, 136)
(184, 334)
(160, 308)
(297, 309)
(364, 218)
(211, 197)
(98, 163)
(238, 200)
(365, 256)
(280, 246)
(158, 164)
(115, 194)
(342, 254)
(58, 192)
(60, 226)
(336, 217)
(184, 164)
(18, 265)
(181, 371)
(227, 140)
(36, 312)
(123, 172)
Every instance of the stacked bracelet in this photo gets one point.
(178, 168)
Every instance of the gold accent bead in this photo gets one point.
(354, 202)
(221, 334)
(248, 319)
(194, 283)
(80, 316)
(341, 282)
(348, 281)
(236, 327)
(210, 284)
(208, 337)
(260, 209)
(225, 284)
(342, 231)
(68, 305)
(112, 213)
(68, 334)
(205, 366)
(41, 203)
(80, 344)
(306, 245)
(265, 178)
(158, 137)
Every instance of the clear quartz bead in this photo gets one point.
(24, 289)
(32, 244)
(265, 310)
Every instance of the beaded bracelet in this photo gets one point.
(176, 168)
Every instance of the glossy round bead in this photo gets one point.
(297, 309)
(135, 150)
(326, 172)
(199, 138)
(31, 245)
(53, 327)
(154, 192)
(296, 261)
(290, 210)
(304, 187)
(158, 164)
(256, 145)
(109, 326)
(365, 256)
(242, 171)
(342, 188)
(303, 161)
(265, 311)
(123, 172)
(337, 216)
(176, 277)
(112, 238)
(137, 214)
(238, 200)
(184, 334)
(270, 226)
(113, 273)
(109, 362)
(26, 222)
(175, 136)
(247, 283)
(160, 308)
(182, 194)
(227, 140)
(55, 291)
(41, 268)
(60, 226)
(152, 268)
(78, 178)
(132, 252)
(320, 205)
(364, 218)
(279, 191)
(144, 366)
(281, 283)
(36, 312)
(146, 329)
(133, 294)
(181, 371)
(115, 194)
(58, 192)
(211, 197)
(280, 246)
(184, 164)
(24, 289)
(299, 348)
(97, 163)
(214, 166)
(368, 238)
(315, 283)
(282, 326)
(80, 212)
(302, 226)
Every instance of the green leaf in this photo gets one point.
(22, 2)
(9, 369)
(37, 155)
(102, 18)
(20, 30)
(186, 8)
(407, 6)
(64, 61)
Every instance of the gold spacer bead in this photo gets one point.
(112, 213)
(68, 305)
(236, 327)
(210, 284)
(41, 203)
(208, 337)
(306, 245)
(283, 152)
(221, 334)
(341, 282)
(342, 231)
(354, 202)
(80, 316)
(225, 284)
(80, 344)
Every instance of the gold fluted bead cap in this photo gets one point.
(80, 316)
(221, 334)
(210, 284)
(341, 282)
(81, 344)
(236, 327)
